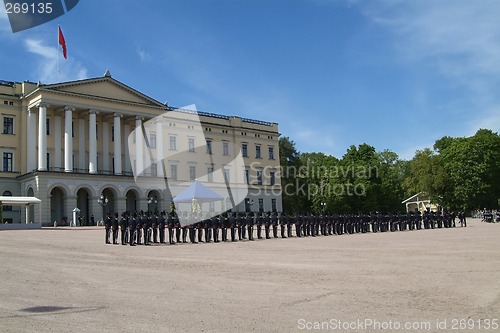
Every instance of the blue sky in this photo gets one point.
(394, 74)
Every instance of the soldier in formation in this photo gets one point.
(136, 228)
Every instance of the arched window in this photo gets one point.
(7, 194)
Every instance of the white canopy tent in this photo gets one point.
(21, 201)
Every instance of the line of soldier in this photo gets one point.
(147, 228)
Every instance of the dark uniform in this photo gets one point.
(107, 226)
(215, 228)
(145, 222)
(249, 223)
(200, 226)
(132, 226)
(115, 224)
(283, 220)
(240, 226)
(177, 227)
(232, 224)
(170, 225)
(154, 225)
(208, 229)
(274, 222)
(289, 223)
(184, 233)
(267, 224)
(260, 221)
(298, 225)
(192, 229)
(124, 228)
(224, 221)
(243, 226)
(161, 223)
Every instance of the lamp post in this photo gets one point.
(152, 201)
(249, 204)
(103, 201)
(323, 206)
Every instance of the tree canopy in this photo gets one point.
(457, 173)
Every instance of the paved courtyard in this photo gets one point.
(68, 280)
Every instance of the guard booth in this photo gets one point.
(419, 202)
(30, 221)
(76, 218)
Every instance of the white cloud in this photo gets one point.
(47, 69)
(143, 55)
(320, 139)
(459, 38)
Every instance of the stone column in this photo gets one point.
(117, 144)
(68, 138)
(126, 133)
(42, 136)
(92, 142)
(81, 144)
(31, 141)
(57, 142)
(159, 148)
(105, 145)
(139, 147)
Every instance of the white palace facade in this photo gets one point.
(72, 143)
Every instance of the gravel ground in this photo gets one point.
(68, 280)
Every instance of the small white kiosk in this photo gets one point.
(22, 201)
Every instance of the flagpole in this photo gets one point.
(57, 75)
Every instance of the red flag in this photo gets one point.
(62, 42)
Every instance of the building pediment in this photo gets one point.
(103, 88)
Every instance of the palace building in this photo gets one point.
(99, 145)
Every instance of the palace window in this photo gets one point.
(173, 142)
(271, 152)
(259, 177)
(173, 172)
(225, 148)
(261, 205)
(258, 153)
(152, 140)
(244, 149)
(192, 172)
(210, 174)
(8, 125)
(8, 162)
(209, 146)
(191, 145)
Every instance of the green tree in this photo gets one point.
(392, 172)
(317, 170)
(472, 165)
(358, 173)
(425, 173)
(293, 197)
